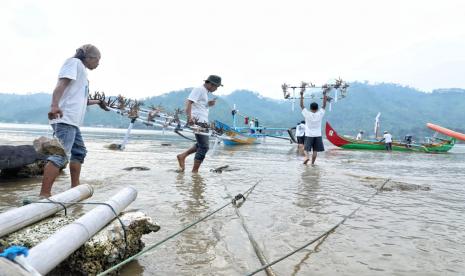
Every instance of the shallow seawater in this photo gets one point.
(415, 226)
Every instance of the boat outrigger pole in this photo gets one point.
(126, 136)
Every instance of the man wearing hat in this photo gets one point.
(197, 113)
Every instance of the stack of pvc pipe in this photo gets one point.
(48, 254)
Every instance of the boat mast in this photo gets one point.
(377, 125)
(234, 116)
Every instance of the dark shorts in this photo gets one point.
(314, 143)
(388, 146)
(202, 146)
(300, 140)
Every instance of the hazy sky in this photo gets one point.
(152, 47)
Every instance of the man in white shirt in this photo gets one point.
(197, 113)
(313, 119)
(252, 126)
(359, 135)
(300, 134)
(69, 102)
(387, 138)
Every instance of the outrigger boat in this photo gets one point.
(249, 134)
(236, 137)
(437, 145)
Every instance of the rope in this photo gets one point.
(324, 235)
(113, 268)
(63, 204)
(59, 203)
(261, 257)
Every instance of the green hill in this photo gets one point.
(403, 109)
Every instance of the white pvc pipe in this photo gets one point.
(9, 268)
(126, 136)
(49, 253)
(18, 218)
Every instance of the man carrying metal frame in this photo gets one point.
(197, 113)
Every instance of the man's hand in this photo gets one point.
(212, 102)
(103, 105)
(55, 113)
(190, 121)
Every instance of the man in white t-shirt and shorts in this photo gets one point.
(387, 138)
(300, 135)
(197, 113)
(313, 119)
(69, 102)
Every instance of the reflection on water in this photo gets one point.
(193, 242)
(307, 193)
(414, 228)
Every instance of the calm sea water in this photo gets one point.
(417, 228)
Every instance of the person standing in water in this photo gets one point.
(67, 111)
(387, 138)
(300, 134)
(313, 119)
(197, 113)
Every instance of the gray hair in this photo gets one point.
(87, 51)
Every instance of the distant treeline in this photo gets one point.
(404, 110)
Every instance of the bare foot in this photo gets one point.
(181, 161)
(306, 161)
(44, 195)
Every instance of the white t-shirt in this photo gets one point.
(313, 122)
(199, 97)
(300, 130)
(359, 136)
(387, 138)
(73, 103)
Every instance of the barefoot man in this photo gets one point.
(197, 113)
(69, 101)
(313, 119)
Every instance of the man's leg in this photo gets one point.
(307, 158)
(75, 171)
(196, 167)
(317, 146)
(78, 154)
(314, 154)
(307, 148)
(182, 157)
(50, 174)
(202, 149)
(66, 135)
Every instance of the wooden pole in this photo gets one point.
(18, 218)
